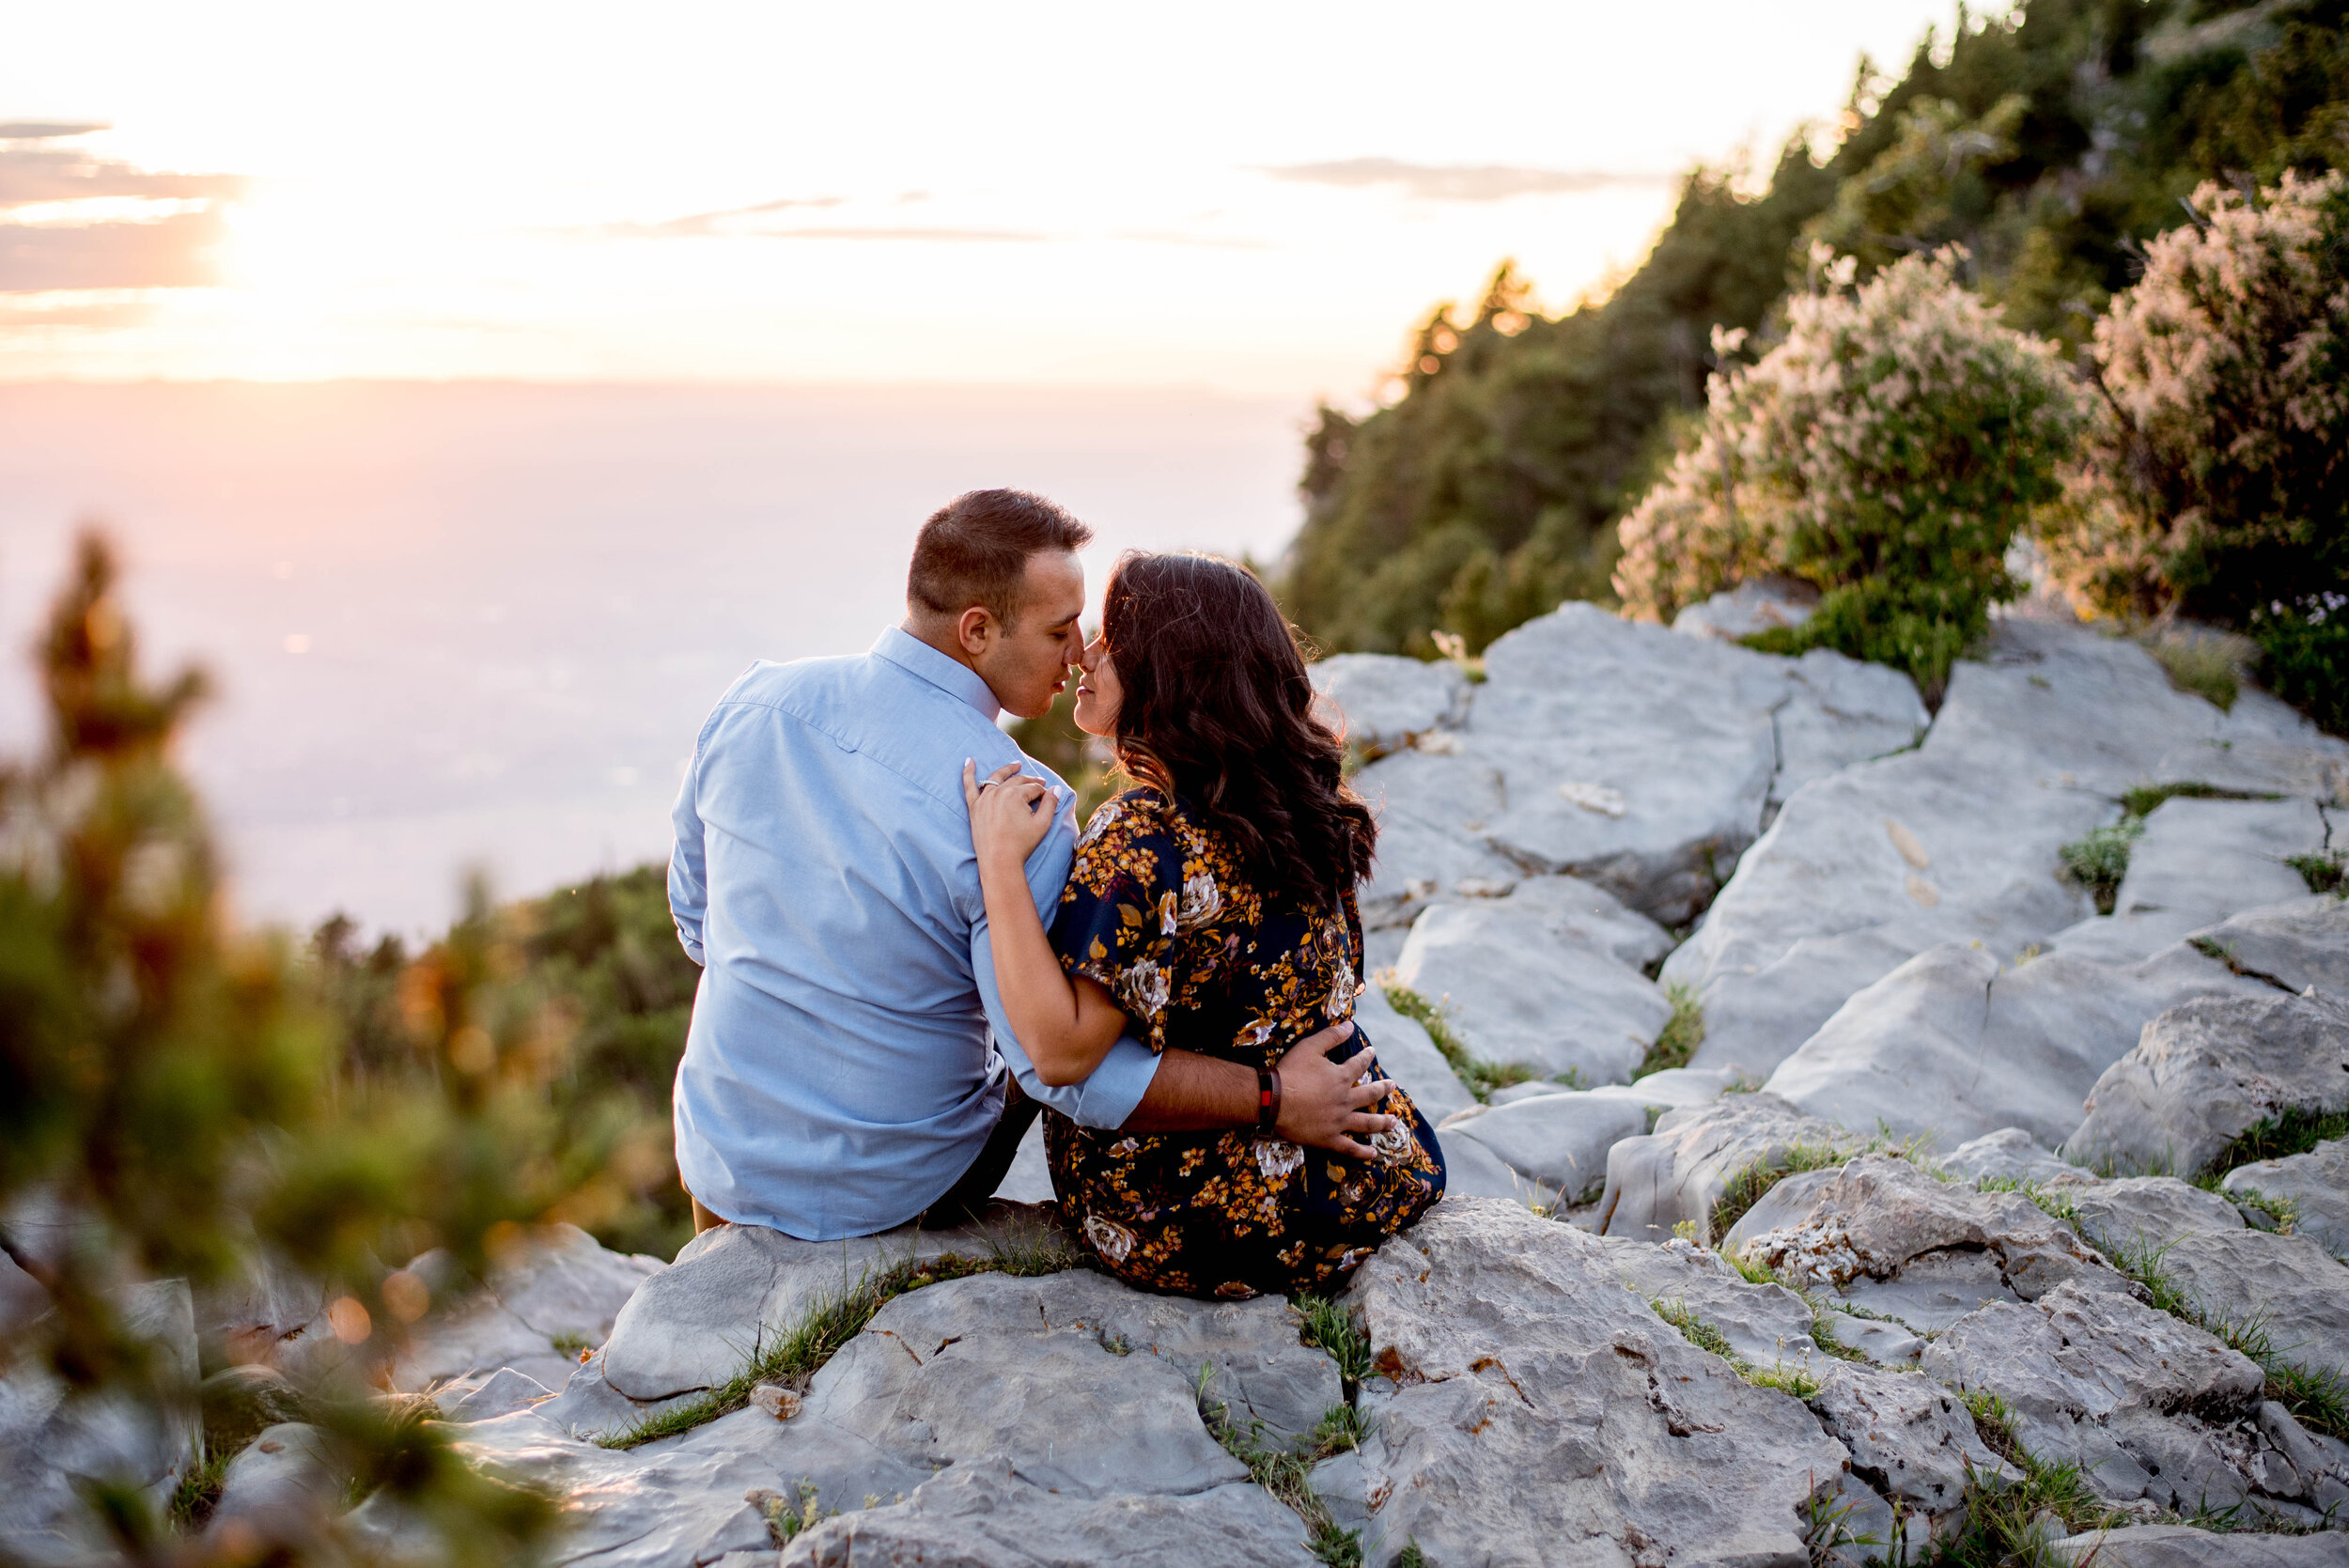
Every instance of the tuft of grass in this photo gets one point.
(2098, 862)
(1287, 1473)
(1750, 1185)
(2052, 1202)
(1480, 1075)
(1824, 1337)
(1323, 1323)
(2204, 665)
(1994, 1422)
(2002, 1520)
(1410, 1557)
(2281, 1136)
(2142, 801)
(2326, 873)
(788, 1514)
(1797, 1380)
(826, 1325)
(570, 1344)
(2283, 1214)
(1680, 1036)
(198, 1490)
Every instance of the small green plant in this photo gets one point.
(2282, 1214)
(198, 1490)
(1693, 1328)
(1994, 1422)
(2003, 1520)
(1824, 1337)
(2140, 801)
(2290, 1132)
(1752, 1183)
(1480, 1075)
(1793, 1379)
(1797, 1379)
(1410, 1557)
(2052, 1202)
(571, 1344)
(1323, 1323)
(1680, 1037)
(789, 1514)
(2099, 861)
(1827, 1526)
(1287, 1473)
(2325, 873)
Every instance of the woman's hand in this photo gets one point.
(1007, 821)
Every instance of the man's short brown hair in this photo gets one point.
(974, 549)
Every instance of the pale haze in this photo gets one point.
(612, 349)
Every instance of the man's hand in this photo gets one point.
(1322, 1101)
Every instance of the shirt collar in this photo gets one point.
(917, 658)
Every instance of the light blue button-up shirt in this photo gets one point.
(838, 1077)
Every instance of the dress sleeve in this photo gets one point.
(1117, 921)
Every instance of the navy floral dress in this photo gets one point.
(1159, 912)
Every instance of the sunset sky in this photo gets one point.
(1258, 198)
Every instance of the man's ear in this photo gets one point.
(974, 630)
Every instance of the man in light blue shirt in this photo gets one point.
(837, 1078)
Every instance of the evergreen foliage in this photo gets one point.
(2053, 144)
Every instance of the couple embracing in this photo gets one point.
(908, 953)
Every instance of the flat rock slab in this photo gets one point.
(986, 1515)
(2141, 1215)
(2216, 857)
(2010, 1154)
(281, 1490)
(1910, 1438)
(2181, 1546)
(2287, 1283)
(558, 1283)
(961, 1372)
(682, 1500)
(1677, 1173)
(1387, 700)
(2202, 1073)
(1954, 1043)
(733, 1288)
(1434, 803)
(1560, 1140)
(2316, 1184)
(1515, 990)
(1840, 711)
(1533, 1411)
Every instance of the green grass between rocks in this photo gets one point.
(2326, 873)
(1681, 1036)
(1287, 1473)
(1480, 1075)
(2203, 665)
(1750, 1185)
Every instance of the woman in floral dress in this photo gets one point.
(1210, 908)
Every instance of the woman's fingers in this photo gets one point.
(970, 784)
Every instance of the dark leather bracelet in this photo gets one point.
(1268, 1098)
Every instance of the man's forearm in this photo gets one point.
(1196, 1094)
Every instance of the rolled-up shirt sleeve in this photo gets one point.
(1109, 1096)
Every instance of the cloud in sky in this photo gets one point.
(168, 249)
(1462, 182)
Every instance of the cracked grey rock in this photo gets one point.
(734, 1287)
(2101, 1380)
(2205, 1071)
(988, 1514)
(1840, 711)
(1765, 1324)
(1433, 806)
(1833, 898)
(2297, 944)
(2145, 1213)
(486, 1396)
(1558, 1139)
(1387, 700)
(1953, 1044)
(1886, 1344)
(1910, 1438)
(955, 1373)
(1511, 1351)
(1515, 990)
(2316, 1184)
(2288, 1285)
(1677, 1173)
(1885, 1235)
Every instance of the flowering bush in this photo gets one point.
(1885, 451)
(2214, 477)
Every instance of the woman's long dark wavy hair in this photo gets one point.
(1217, 709)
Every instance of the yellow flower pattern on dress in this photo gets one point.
(1158, 910)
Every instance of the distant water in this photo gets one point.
(473, 624)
